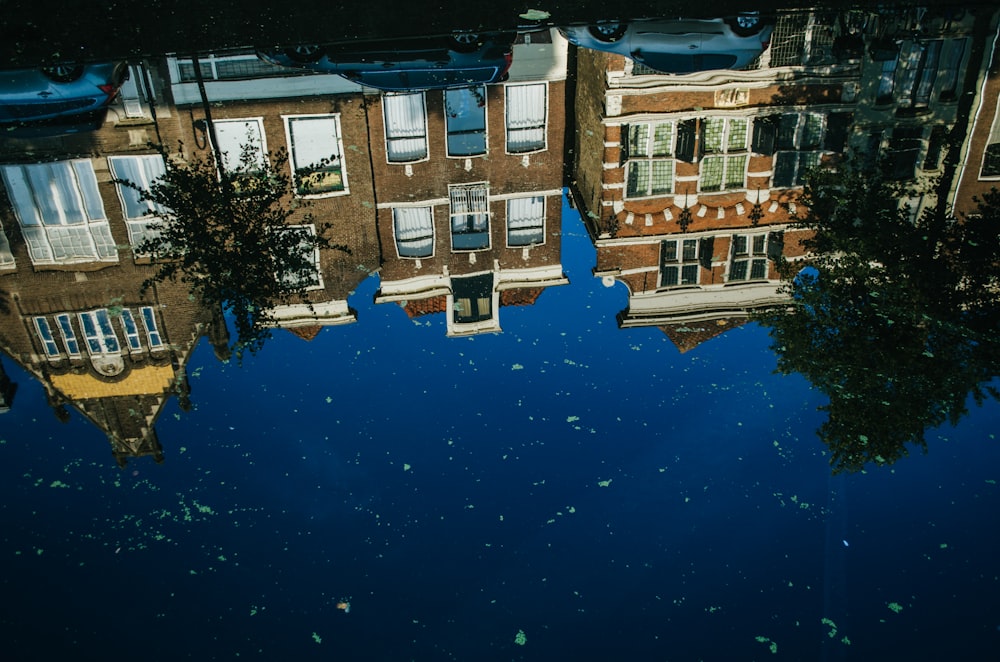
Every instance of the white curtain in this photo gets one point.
(405, 127)
(525, 117)
(414, 230)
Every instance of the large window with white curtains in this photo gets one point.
(526, 118)
(413, 229)
(60, 211)
(405, 127)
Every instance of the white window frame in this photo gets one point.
(448, 119)
(648, 160)
(476, 191)
(680, 261)
(727, 154)
(70, 341)
(99, 342)
(397, 218)
(405, 133)
(132, 340)
(526, 222)
(229, 159)
(527, 124)
(139, 227)
(750, 257)
(43, 215)
(48, 339)
(153, 336)
(310, 228)
(6, 255)
(339, 144)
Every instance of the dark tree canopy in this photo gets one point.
(228, 236)
(896, 318)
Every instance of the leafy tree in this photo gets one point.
(226, 233)
(895, 319)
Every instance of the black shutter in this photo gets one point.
(686, 133)
(775, 245)
(705, 252)
(624, 144)
(764, 133)
(837, 126)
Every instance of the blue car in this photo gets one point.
(422, 63)
(57, 100)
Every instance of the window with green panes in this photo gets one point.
(651, 166)
(725, 147)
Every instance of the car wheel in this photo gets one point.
(465, 42)
(746, 24)
(63, 73)
(304, 54)
(608, 32)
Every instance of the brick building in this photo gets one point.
(72, 312)
(691, 184)
(980, 152)
(469, 186)
(314, 118)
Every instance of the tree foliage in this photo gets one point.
(229, 237)
(895, 319)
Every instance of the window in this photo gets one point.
(903, 153)
(68, 334)
(749, 257)
(301, 268)
(6, 256)
(239, 137)
(316, 154)
(100, 336)
(725, 148)
(650, 150)
(526, 107)
(131, 331)
(886, 81)
(141, 216)
(465, 115)
(800, 144)
(45, 335)
(149, 323)
(413, 228)
(991, 158)
(60, 212)
(951, 59)
(405, 127)
(526, 221)
(679, 262)
(473, 298)
(470, 218)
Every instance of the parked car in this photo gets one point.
(420, 63)
(60, 99)
(682, 45)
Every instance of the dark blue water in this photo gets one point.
(589, 487)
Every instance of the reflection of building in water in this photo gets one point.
(470, 190)
(691, 184)
(320, 120)
(980, 156)
(72, 314)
